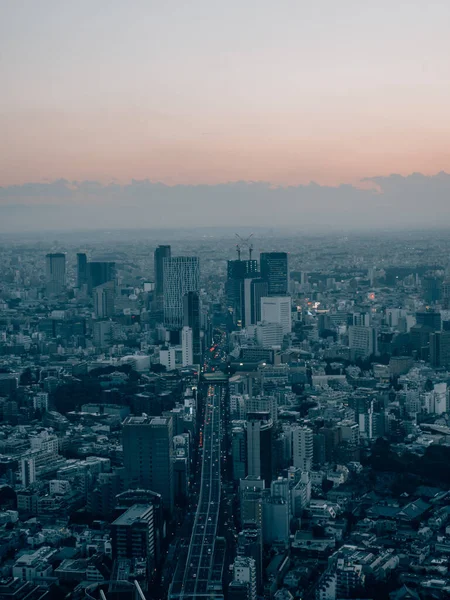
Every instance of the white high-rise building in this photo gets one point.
(104, 300)
(167, 357)
(28, 470)
(187, 346)
(277, 309)
(181, 275)
(269, 335)
(362, 340)
(302, 448)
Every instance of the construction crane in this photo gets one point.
(244, 243)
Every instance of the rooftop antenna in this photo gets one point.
(244, 243)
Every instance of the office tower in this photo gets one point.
(187, 347)
(275, 270)
(244, 571)
(303, 448)
(269, 335)
(432, 288)
(254, 290)
(82, 269)
(429, 318)
(250, 499)
(102, 333)
(181, 276)
(277, 309)
(132, 534)
(28, 470)
(167, 357)
(276, 519)
(239, 450)
(104, 300)
(362, 341)
(250, 544)
(440, 349)
(100, 272)
(160, 254)
(55, 270)
(260, 446)
(238, 271)
(359, 319)
(129, 498)
(147, 455)
(191, 318)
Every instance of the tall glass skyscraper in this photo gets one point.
(275, 270)
(181, 275)
(55, 271)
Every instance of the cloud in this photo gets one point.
(387, 202)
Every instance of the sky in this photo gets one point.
(209, 92)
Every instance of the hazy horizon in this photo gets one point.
(211, 113)
(393, 202)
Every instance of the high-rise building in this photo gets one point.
(147, 455)
(102, 333)
(275, 270)
(55, 270)
(363, 341)
(429, 318)
(440, 349)
(260, 446)
(239, 450)
(269, 335)
(277, 309)
(303, 448)
(244, 571)
(160, 254)
(181, 275)
(253, 293)
(28, 470)
(191, 318)
(104, 300)
(250, 497)
(250, 545)
(100, 272)
(240, 274)
(82, 269)
(187, 347)
(133, 534)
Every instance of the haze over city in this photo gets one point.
(138, 105)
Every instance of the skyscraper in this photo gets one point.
(275, 270)
(244, 290)
(303, 448)
(55, 264)
(100, 272)
(104, 300)
(277, 309)
(191, 318)
(160, 254)
(133, 534)
(260, 446)
(187, 346)
(181, 275)
(147, 455)
(82, 269)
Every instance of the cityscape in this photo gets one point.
(224, 300)
(225, 415)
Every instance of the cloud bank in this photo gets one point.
(388, 202)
